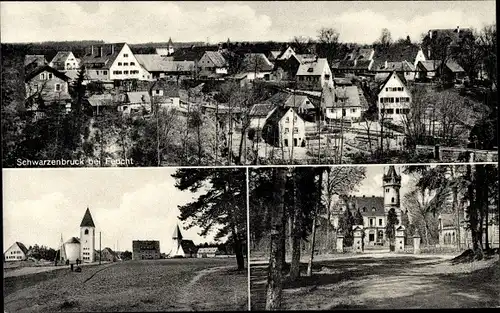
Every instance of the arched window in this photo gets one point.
(373, 209)
(86, 232)
(392, 199)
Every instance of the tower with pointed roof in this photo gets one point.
(170, 46)
(392, 184)
(176, 250)
(87, 238)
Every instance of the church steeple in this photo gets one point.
(177, 233)
(87, 220)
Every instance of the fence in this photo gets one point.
(455, 153)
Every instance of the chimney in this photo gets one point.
(92, 50)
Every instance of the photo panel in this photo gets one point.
(374, 237)
(248, 83)
(107, 240)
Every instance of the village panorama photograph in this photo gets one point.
(374, 237)
(136, 240)
(101, 84)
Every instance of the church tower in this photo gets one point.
(392, 184)
(170, 46)
(176, 250)
(87, 238)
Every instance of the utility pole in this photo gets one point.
(100, 249)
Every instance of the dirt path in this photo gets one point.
(188, 293)
(385, 282)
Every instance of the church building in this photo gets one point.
(82, 248)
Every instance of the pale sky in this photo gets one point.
(126, 204)
(141, 22)
(372, 185)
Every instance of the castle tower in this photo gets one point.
(392, 184)
(87, 238)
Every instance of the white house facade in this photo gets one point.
(16, 252)
(394, 100)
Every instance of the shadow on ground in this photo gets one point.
(391, 283)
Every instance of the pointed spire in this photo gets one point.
(87, 220)
(392, 175)
(170, 43)
(177, 233)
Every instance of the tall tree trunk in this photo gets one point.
(472, 190)
(315, 212)
(311, 257)
(295, 236)
(275, 276)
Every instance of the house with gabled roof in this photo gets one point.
(165, 67)
(394, 99)
(32, 61)
(284, 128)
(135, 102)
(212, 62)
(16, 252)
(165, 93)
(314, 75)
(64, 61)
(109, 62)
(359, 60)
(400, 57)
(285, 54)
(46, 86)
(343, 103)
(256, 65)
(452, 37)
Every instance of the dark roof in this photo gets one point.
(187, 55)
(257, 62)
(397, 52)
(22, 247)
(367, 203)
(277, 115)
(177, 233)
(44, 68)
(217, 58)
(362, 64)
(73, 240)
(38, 58)
(398, 74)
(428, 65)
(391, 174)
(261, 109)
(188, 246)
(170, 89)
(455, 34)
(87, 220)
(109, 54)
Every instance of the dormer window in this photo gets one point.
(310, 70)
(373, 209)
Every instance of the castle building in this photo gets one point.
(374, 210)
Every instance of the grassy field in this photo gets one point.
(383, 282)
(152, 285)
